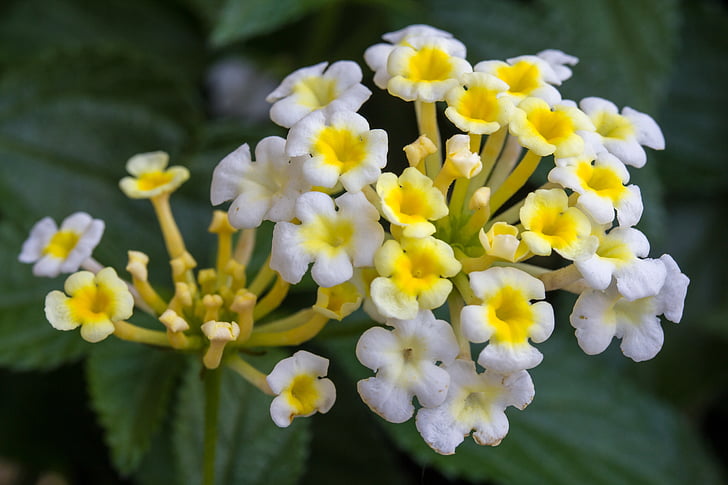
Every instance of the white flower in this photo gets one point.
(63, 250)
(599, 316)
(622, 134)
(405, 361)
(558, 61)
(526, 76)
(335, 241)
(338, 145)
(266, 189)
(299, 389)
(475, 402)
(507, 318)
(315, 87)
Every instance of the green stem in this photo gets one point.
(212, 404)
(427, 125)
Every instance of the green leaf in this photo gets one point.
(130, 386)
(27, 340)
(251, 449)
(241, 19)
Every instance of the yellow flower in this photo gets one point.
(150, 177)
(94, 304)
(476, 107)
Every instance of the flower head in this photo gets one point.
(316, 87)
(475, 402)
(507, 318)
(405, 361)
(478, 105)
(94, 303)
(149, 177)
(299, 387)
(63, 250)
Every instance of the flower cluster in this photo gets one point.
(460, 228)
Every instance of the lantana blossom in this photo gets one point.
(334, 241)
(301, 387)
(266, 189)
(315, 87)
(507, 319)
(150, 176)
(57, 250)
(475, 402)
(405, 361)
(559, 60)
(502, 241)
(477, 105)
(598, 316)
(94, 302)
(525, 76)
(337, 145)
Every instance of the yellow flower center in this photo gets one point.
(522, 77)
(430, 64)
(341, 148)
(61, 244)
(614, 250)
(559, 228)
(152, 180)
(553, 126)
(316, 92)
(302, 395)
(416, 272)
(613, 125)
(327, 234)
(602, 180)
(478, 103)
(91, 304)
(410, 204)
(510, 313)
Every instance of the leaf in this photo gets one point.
(239, 20)
(250, 448)
(130, 386)
(27, 340)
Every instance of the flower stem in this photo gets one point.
(212, 404)
(515, 180)
(172, 237)
(427, 125)
(248, 372)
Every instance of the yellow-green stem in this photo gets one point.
(427, 125)
(294, 336)
(272, 299)
(248, 372)
(212, 380)
(262, 279)
(515, 180)
(488, 155)
(455, 304)
(131, 333)
(172, 236)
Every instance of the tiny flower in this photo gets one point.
(619, 256)
(507, 319)
(501, 241)
(414, 276)
(219, 334)
(426, 68)
(550, 130)
(558, 61)
(405, 361)
(299, 387)
(94, 303)
(460, 162)
(411, 201)
(600, 182)
(622, 134)
(476, 106)
(266, 189)
(338, 301)
(599, 316)
(526, 76)
(63, 250)
(377, 55)
(550, 223)
(334, 241)
(475, 402)
(313, 88)
(338, 146)
(149, 177)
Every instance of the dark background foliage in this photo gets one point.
(84, 85)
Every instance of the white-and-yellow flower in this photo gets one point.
(334, 241)
(300, 387)
(266, 189)
(477, 106)
(316, 87)
(406, 364)
(426, 68)
(507, 319)
(475, 403)
(622, 134)
(501, 241)
(550, 224)
(94, 303)
(547, 130)
(600, 182)
(414, 276)
(526, 76)
(599, 316)
(337, 145)
(61, 250)
(411, 201)
(151, 177)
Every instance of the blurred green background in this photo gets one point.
(86, 84)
